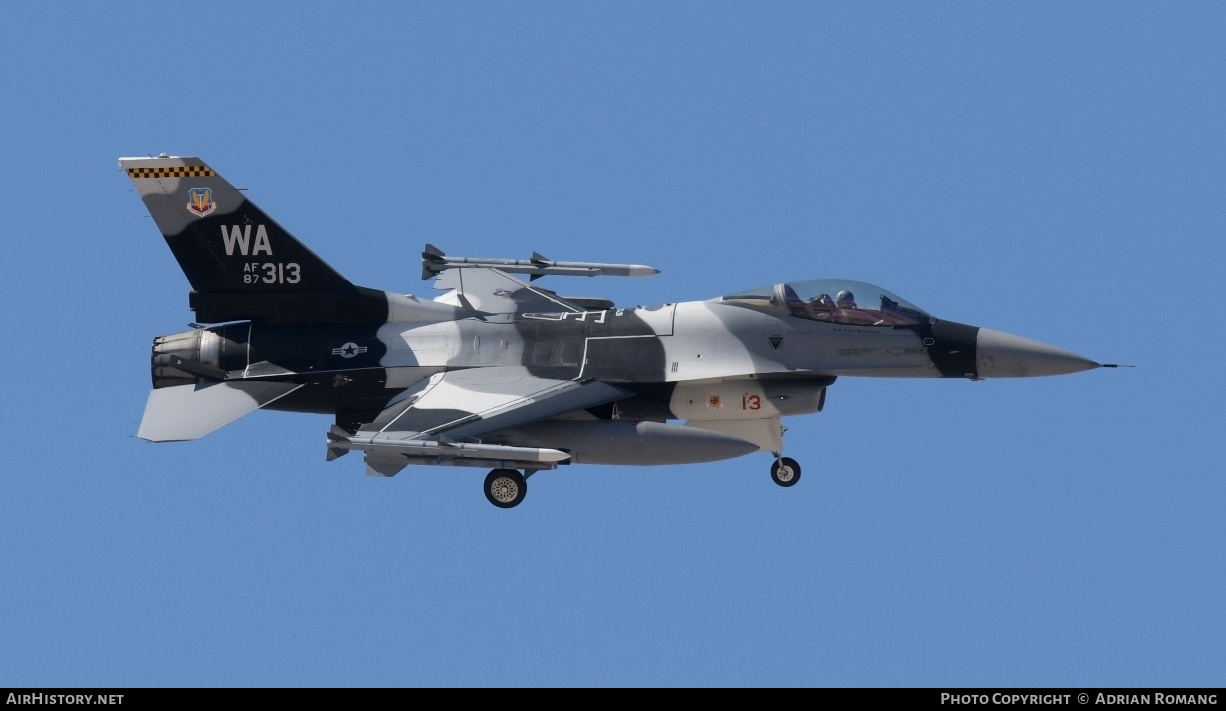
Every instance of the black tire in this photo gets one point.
(785, 471)
(505, 488)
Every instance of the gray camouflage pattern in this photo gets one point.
(499, 372)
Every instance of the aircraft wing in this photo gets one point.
(438, 419)
(493, 291)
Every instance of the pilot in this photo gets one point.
(846, 311)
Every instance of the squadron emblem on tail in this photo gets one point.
(200, 201)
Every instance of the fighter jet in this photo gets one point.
(498, 372)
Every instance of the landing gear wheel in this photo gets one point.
(505, 488)
(785, 471)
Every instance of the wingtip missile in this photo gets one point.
(435, 261)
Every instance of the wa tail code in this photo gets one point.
(240, 236)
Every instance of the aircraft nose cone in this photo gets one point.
(1003, 355)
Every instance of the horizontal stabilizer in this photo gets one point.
(184, 412)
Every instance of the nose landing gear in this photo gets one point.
(785, 471)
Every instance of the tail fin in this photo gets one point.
(240, 262)
(222, 240)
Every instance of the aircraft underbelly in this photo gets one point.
(630, 442)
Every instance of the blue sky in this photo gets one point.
(1053, 170)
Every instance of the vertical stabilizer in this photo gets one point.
(241, 264)
(223, 242)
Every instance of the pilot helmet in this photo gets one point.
(845, 299)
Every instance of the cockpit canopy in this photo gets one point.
(834, 301)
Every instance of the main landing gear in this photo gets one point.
(785, 471)
(505, 488)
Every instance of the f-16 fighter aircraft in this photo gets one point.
(499, 373)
